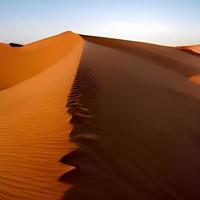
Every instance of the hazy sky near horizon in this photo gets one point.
(168, 22)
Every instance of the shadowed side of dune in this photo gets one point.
(136, 123)
(15, 45)
(191, 52)
(169, 57)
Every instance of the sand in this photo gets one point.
(134, 131)
(32, 58)
(194, 49)
(34, 124)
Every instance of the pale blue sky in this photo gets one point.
(168, 22)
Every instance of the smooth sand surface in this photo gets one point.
(32, 58)
(131, 130)
(136, 120)
(34, 124)
(195, 50)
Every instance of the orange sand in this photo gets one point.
(135, 112)
(34, 125)
(194, 48)
(33, 58)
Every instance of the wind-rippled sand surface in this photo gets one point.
(135, 111)
(34, 124)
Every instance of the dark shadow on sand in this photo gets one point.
(137, 128)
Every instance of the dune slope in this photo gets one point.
(34, 124)
(195, 49)
(94, 118)
(19, 64)
(136, 121)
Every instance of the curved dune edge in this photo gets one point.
(33, 58)
(34, 127)
(195, 49)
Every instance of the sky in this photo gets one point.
(166, 22)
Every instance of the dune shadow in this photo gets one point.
(135, 140)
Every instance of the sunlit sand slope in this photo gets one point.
(19, 64)
(136, 120)
(195, 49)
(34, 124)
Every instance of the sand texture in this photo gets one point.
(93, 118)
(34, 124)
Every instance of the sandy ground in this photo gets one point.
(34, 124)
(136, 120)
(134, 131)
(32, 58)
(195, 50)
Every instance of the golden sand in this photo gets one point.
(34, 124)
(133, 117)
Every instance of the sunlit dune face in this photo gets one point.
(195, 79)
(34, 124)
(31, 59)
(195, 48)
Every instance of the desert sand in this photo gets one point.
(34, 124)
(195, 49)
(86, 117)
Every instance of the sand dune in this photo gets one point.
(34, 125)
(195, 49)
(134, 129)
(135, 116)
(33, 58)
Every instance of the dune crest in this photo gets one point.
(194, 49)
(19, 64)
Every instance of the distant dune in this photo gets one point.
(195, 49)
(94, 118)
